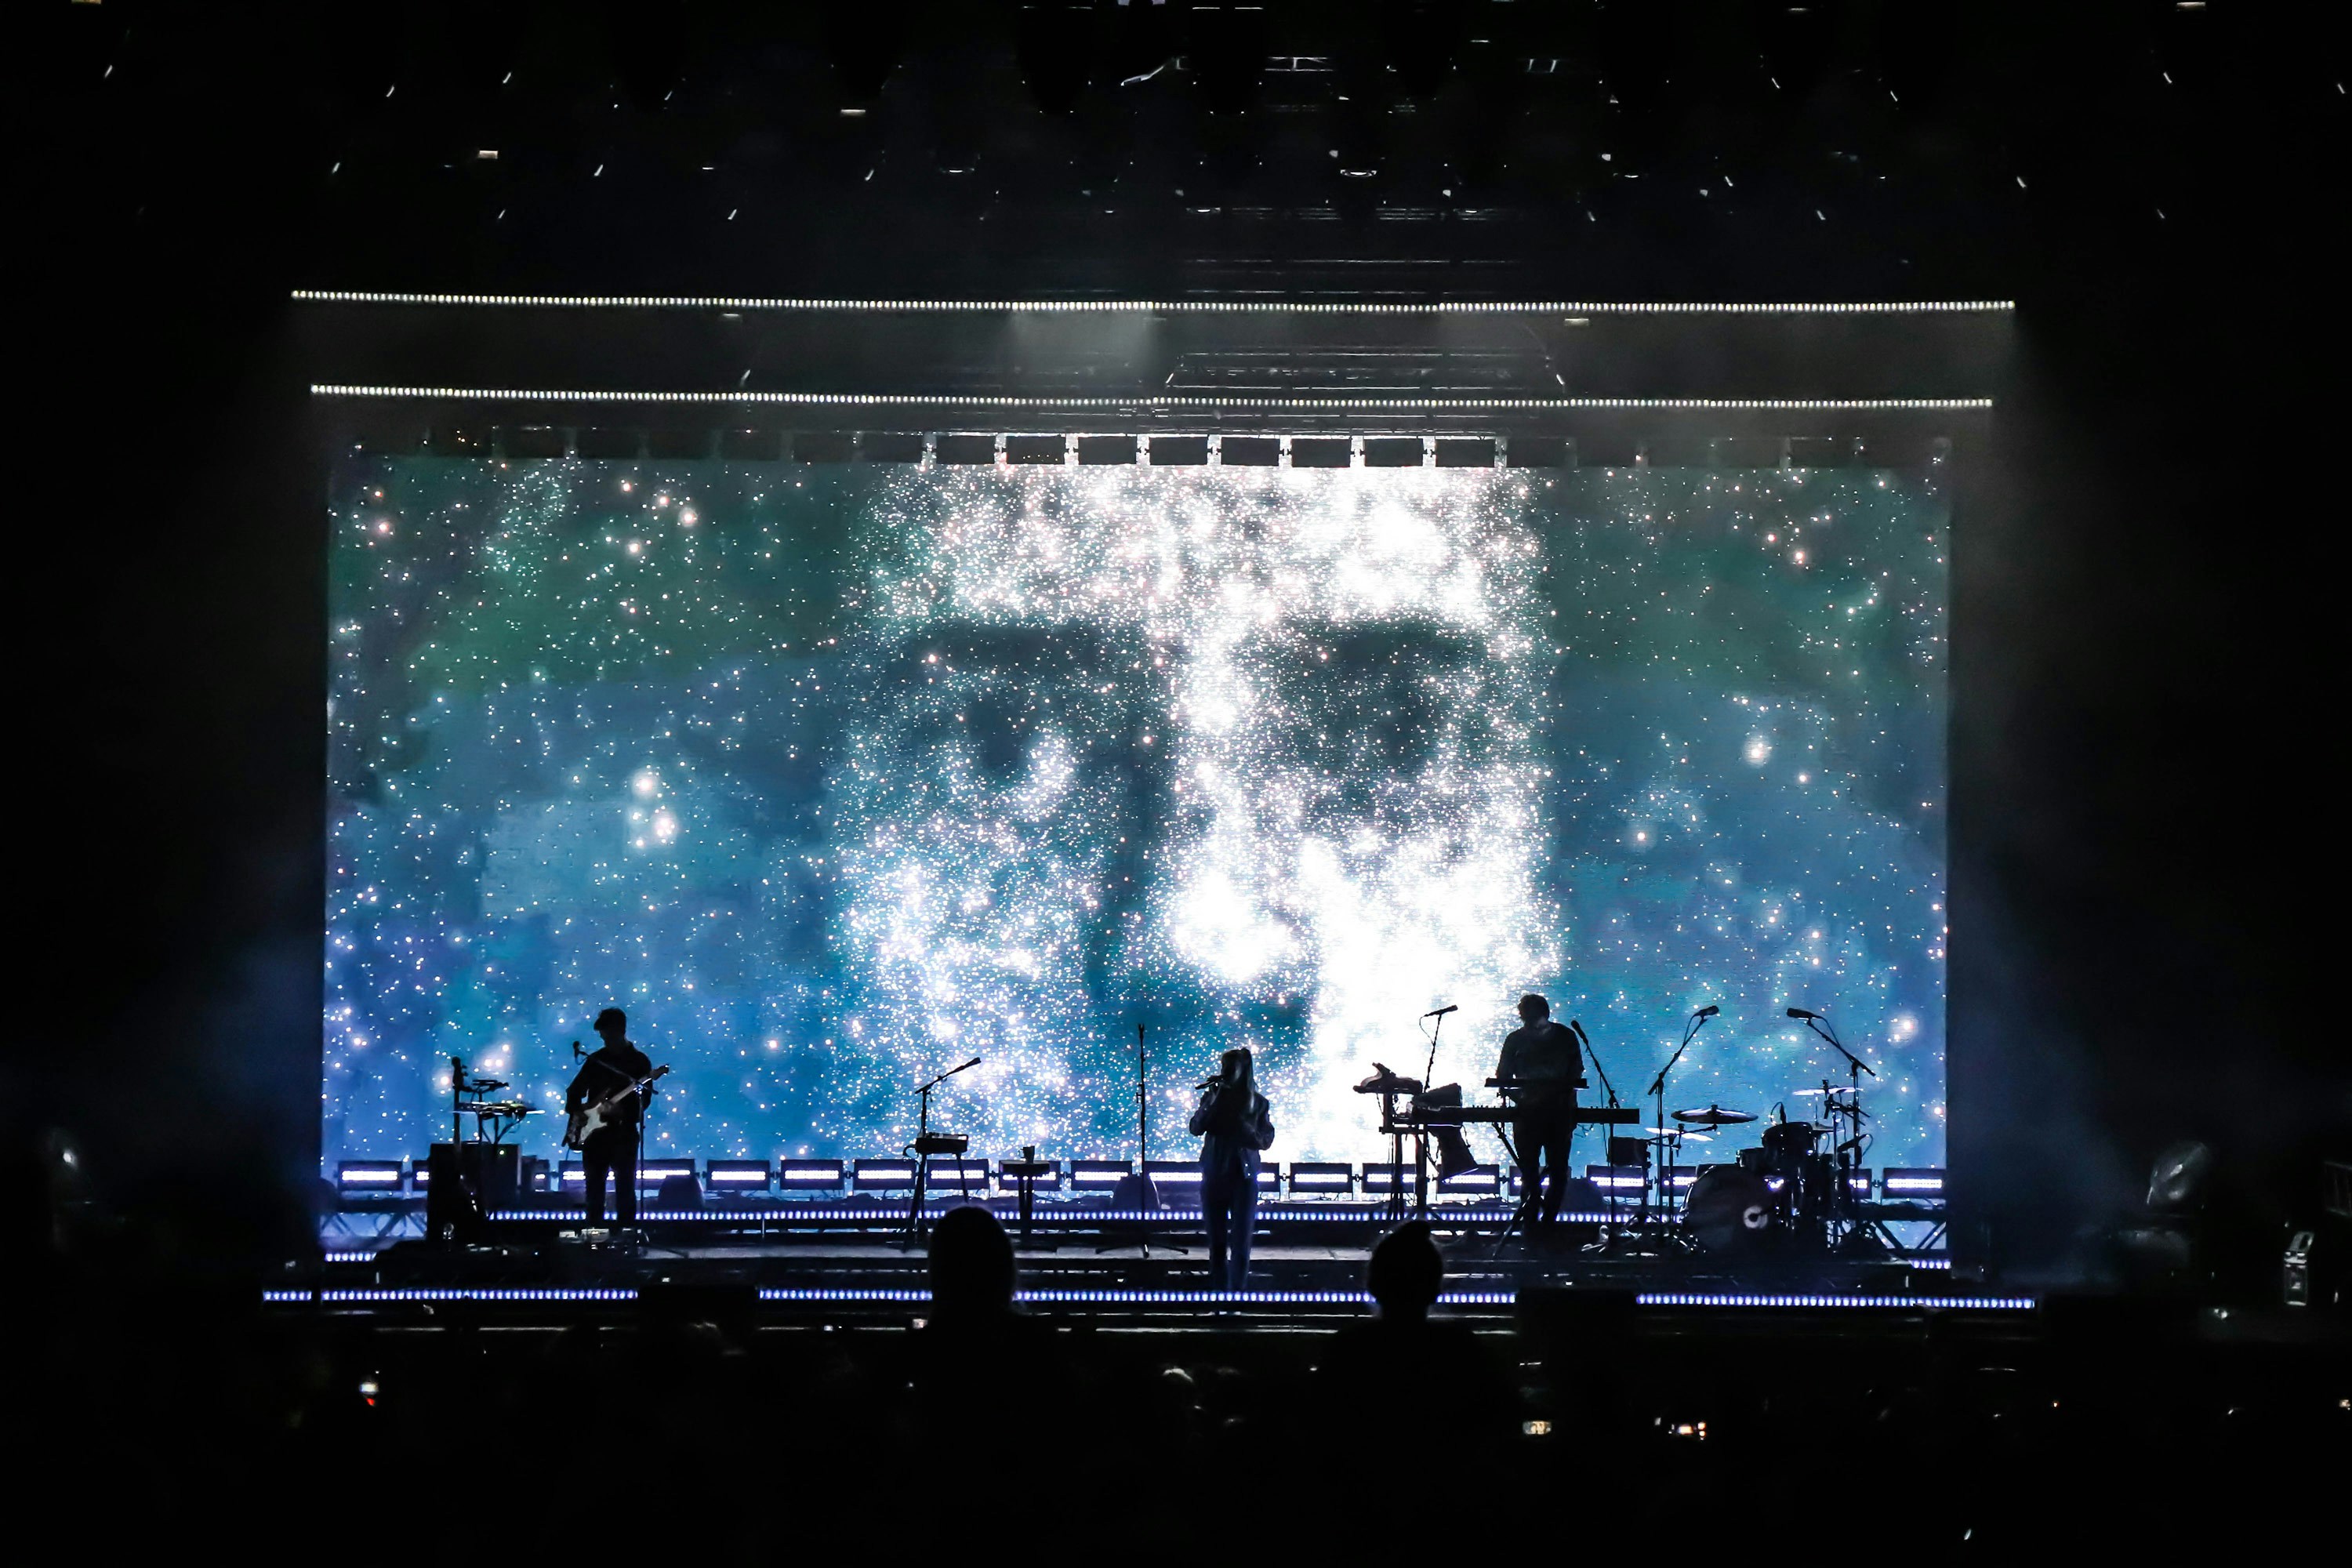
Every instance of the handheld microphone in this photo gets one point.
(1707, 1012)
(1800, 1013)
(1440, 1012)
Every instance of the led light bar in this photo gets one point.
(1680, 1177)
(363, 1176)
(1482, 1179)
(654, 1172)
(1993, 1303)
(1123, 404)
(1099, 1175)
(573, 1176)
(1051, 1182)
(460, 1293)
(963, 1177)
(809, 1175)
(349, 1256)
(1384, 1178)
(1172, 306)
(881, 1175)
(1307, 1176)
(1184, 1176)
(1134, 1297)
(1628, 1179)
(785, 1216)
(1912, 1181)
(1857, 1183)
(420, 1173)
(738, 1175)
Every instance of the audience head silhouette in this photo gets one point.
(971, 1265)
(1405, 1272)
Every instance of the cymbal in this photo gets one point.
(1714, 1116)
(1684, 1133)
(1840, 1090)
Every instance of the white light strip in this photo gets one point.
(1173, 1297)
(1996, 1303)
(423, 1293)
(784, 1215)
(1116, 404)
(1174, 307)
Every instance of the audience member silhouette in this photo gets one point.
(977, 1356)
(1401, 1371)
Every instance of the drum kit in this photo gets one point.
(1793, 1193)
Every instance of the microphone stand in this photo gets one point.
(1419, 1142)
(923, 1161)
(1144, 1191)
(1667, 1142)
(1849, 1150)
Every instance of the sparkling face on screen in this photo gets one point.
(1228, 742)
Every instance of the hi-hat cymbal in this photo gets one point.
(1714, 1116)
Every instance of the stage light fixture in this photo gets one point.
(1618, 1181)
(1269, 1180)
(573, 1177)
(962, 401)
(1168, 307)
(1857, 1184)
(1314, 1178)
(420, 1175)
(1479, 1181)
(1175, 1178)
(2177, 1182)
(1098, 1175)
(1050, 1182)
(1901, 1182)
(738, 1175)
(951, 1177)
(881, 1175)
(654, 1172)
(809, 1175)
(362, 1178)
(1680, 1177)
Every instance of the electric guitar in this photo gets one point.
(593, 1118)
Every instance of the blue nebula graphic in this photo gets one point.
(833, 776)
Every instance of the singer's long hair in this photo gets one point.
(1238, 1068)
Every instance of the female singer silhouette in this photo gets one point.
(1233, 1121)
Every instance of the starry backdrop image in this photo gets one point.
(835, 775)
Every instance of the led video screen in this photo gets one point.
(835, 776)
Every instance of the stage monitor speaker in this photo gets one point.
(469, 1181)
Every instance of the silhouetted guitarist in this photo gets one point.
(612, 1149)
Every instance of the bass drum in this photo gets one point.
(1728, 1209)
